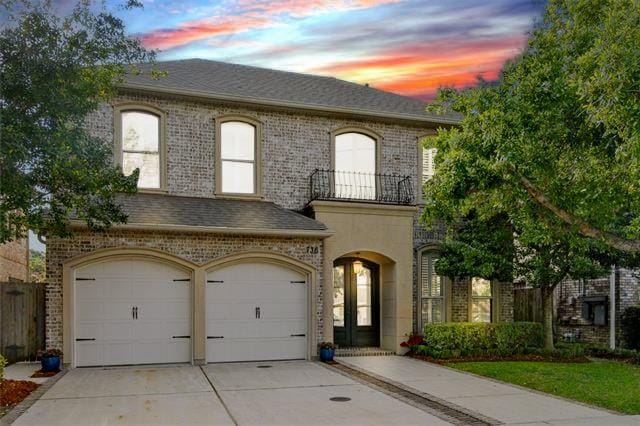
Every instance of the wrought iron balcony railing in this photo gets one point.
(354, 186)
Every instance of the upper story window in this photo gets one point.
(355, 165)
(238, 153)
(432, 291)
(482, 300)
(140, 144)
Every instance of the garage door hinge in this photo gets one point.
(298, 282)
(215, 337)
(85, 340)
(181, 280)
(181, 337)
(85, 279)
(215, 281)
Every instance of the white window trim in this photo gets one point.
(420, 166)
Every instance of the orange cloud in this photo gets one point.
(421, 70)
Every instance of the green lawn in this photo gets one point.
(609, 384)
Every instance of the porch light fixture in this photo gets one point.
(357, 267)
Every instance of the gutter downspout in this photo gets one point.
(612, 308)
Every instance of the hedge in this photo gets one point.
(459, 339)
(631, 327)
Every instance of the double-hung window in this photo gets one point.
(140, 145)
(238, 158)
(482, 300)
(432, 292)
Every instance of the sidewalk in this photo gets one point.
(505, 403)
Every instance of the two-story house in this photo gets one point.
(275, 210)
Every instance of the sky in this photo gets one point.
(410, 47)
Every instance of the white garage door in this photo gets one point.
(256, 312)
(132, 312)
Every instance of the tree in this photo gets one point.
(53, 72)
(563, 121)
(538, 182)
(37, 266)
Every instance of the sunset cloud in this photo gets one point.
(252, 15)
(410, 47)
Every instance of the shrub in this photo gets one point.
(459, 339)
(630, 325)
(414, 342)
(3, 363)
(629, 355)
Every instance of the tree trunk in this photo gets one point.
(547, 315)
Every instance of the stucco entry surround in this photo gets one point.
(198, 274)
(380, 233)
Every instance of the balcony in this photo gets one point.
(336, 185)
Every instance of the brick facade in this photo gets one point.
(294, 144)
(569, 305)
(14, 258)
(198, 248)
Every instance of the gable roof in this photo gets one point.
(247, 84)
(228, 216)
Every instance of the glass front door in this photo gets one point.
(355, 303)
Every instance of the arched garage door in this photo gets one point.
(255, 312)
(131, 312)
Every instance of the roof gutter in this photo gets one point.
(288, 104)
(271, 232)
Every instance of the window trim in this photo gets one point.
(162, 138)
(420, 153)
(377, 137)
(431, 249)
(257, 172)
(495, 300)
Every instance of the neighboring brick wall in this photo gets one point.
(569, 305)
(14, 258)
(293, 146)
(199, 248)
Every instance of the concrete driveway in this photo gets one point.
(283, 393)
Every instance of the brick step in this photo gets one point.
(363, 351)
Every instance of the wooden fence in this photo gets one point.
(21, 320)
(527, 304)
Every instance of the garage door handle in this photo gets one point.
(298, 335)
(181, 337)
(215, 337)
(85, 340)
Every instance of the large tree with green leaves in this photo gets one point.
(563, 122)
(54, 70)
(548, 155)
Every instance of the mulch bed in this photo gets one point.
(526, 357)
(13, 392)
(41, 373)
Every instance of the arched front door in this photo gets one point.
(356, 305)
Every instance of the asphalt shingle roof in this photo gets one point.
(216, 214)
(260, 85)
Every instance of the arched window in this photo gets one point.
(355, 165)
(140, 144)
(238, 154)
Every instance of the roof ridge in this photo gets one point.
(260, 68)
